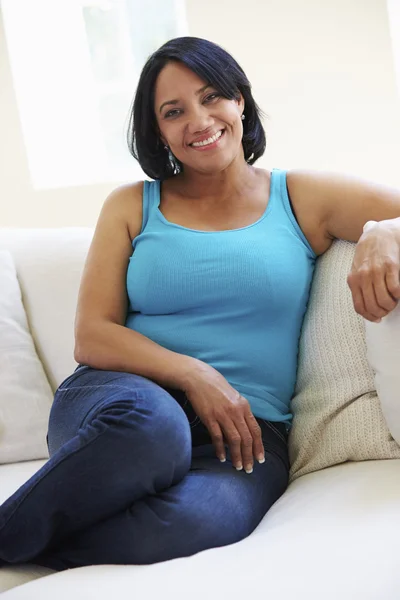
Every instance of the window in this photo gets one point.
(75, 67)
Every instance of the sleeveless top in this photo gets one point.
(233, 299)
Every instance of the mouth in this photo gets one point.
(210, 143)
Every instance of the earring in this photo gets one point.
(243, 117)
(166, 147)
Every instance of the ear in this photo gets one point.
(240, 103)
(161, 138)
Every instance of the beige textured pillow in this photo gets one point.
(25, 393)
(337, 414)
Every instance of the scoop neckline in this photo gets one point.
(164, 220)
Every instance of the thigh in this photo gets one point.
(89, 391)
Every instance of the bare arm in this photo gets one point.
(116, 348)
(101, 339)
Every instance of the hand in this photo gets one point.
(227, 414)
(374, 277)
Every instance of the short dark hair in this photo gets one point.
(215, 66)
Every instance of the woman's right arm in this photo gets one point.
(101, 339)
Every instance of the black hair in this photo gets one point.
(215, 66)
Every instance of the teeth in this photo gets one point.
(209, 141)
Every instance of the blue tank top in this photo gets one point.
(233, 299)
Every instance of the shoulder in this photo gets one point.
(305, 182)
(309, 192)
(125, 203)
(125, 195)
(322, 187)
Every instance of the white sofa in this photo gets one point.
(332, 535)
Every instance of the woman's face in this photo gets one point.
(188, 112)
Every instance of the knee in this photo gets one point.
(150, 422)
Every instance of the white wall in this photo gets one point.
(321, 69)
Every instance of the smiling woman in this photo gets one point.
(187, 331)
(210, 93)
(186, 378)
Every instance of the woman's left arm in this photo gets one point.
(369, 214)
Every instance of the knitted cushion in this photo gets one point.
(337, 414)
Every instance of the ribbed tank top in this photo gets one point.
(234, 299)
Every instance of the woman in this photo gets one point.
(171, 435)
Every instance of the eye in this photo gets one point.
(212, 96)
(173, 113)
(170, 113)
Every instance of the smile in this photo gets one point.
(209, 143)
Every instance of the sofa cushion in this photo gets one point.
(13, 475)
(49, 265)
(331, 536)
(337, 413)
(383, 344)
(25, 393)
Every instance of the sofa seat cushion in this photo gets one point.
(13, 475)
(331, 535)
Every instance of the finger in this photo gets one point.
(246, 444)
(372, 310)
(358, 298)
(393, 281)
(384, 299)
(217, 439)
(255, 430)
(369, 317)
(234, 441)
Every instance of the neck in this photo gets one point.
(232, 182)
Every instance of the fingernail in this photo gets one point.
(222, 458)
(239, 467)
(249, 469)
(261, 459)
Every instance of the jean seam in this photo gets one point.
(182, 405)
(114, 385)
(274, 429)
(274, 450)
(196, 420)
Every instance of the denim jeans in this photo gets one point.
(133, 478)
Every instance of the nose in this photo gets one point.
(199, 120)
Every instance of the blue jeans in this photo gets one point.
(133, 478)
